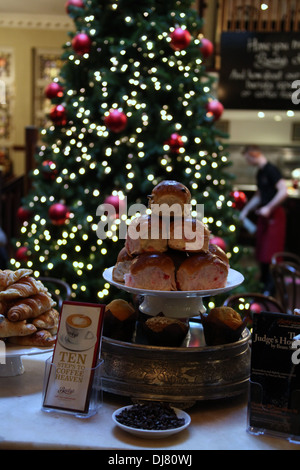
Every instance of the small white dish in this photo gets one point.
(152, 434)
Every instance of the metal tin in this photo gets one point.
(187, 374)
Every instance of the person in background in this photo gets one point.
(267, 202)
(3, 252)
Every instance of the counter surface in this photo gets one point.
(215, 425)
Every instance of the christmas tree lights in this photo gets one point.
(132, 106)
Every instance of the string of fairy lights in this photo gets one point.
(77, 142)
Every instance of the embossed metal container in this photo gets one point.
(186, 374)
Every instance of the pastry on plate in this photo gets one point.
(163, 331)
(146, 234)
(122, 265)
(188, 234)
(152, 271)
(171, 193)
(202, 271)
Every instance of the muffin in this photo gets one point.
(202, 271)
(188, 234)
(222, 325)
(152, 271)
(119, 320)
(163, 331)
(146, 234)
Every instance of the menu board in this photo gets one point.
(260, 71)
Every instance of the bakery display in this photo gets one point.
(27, 313)
(169, 250)
(222, 325)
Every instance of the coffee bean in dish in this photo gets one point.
(150, 416)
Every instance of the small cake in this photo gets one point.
(222, 325)
(188, 234)
(119, 320)
(146, 234)
(216, 250)
(152, 271)
(122, 265)
(163, 331)
(170, 193)
(202, 271)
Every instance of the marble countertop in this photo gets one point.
(215, 425)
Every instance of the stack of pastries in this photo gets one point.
(27, 313)
(170, 251)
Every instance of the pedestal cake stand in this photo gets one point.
(11, 358)
(182, 375)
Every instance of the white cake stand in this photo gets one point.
(11, 358)
(175, 304)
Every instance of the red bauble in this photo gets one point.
(58, 213)
(116, 202)
(255, 308)
(58, 115)
(206, 47)
(74, 3)
(24, 214)
(54, 90)
(21, 254)
(215, 108)
(180, 39)
(175, 143)
(49, 170)
(219, 242)
(81, 43)
(116, 120)
(240, 199)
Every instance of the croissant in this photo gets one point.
(20, 328)
(47, 320)
(8, 277)
(38, 339)
(30, 307)
(25, 287)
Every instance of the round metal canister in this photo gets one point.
(189, 373)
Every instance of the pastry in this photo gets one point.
(119, 320)
(222, 325)
(122, 265)
(163, 331)
(20, 328)
(152, 271)
(47, 320)
(170, 193)
(24, 287)
(216, 250)
(30, 307)
(202, 271)
(188, 234)
(8, 277)
(146, 234)
(40, 338)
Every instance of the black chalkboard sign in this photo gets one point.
(260, 71)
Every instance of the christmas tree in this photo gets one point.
(133, 106)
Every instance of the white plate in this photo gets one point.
(234, 280)
(13, 350)
(152, 434)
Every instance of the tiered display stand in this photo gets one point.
(182, 375)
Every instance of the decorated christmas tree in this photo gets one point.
(133, 106)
